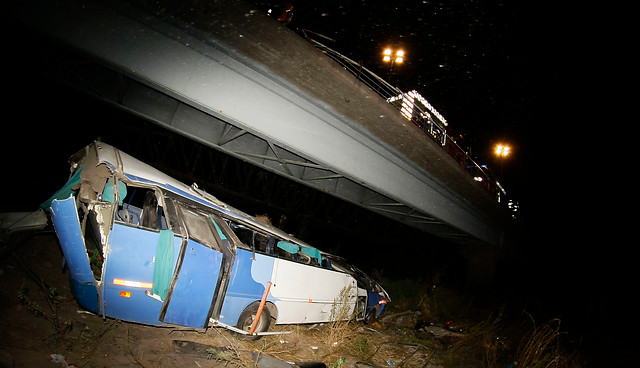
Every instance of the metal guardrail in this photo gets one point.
(433, 127)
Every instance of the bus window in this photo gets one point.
(172, 216)
(151, 212)
(200, 228)
(254, 239)
(287, 250)
(264, 243)
(244, 234)
(141, 207)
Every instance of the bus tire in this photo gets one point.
(248, 315)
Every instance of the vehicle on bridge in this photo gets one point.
(143, 247)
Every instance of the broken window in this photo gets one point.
(200, 227)
(253, 239)
(173, 217)
(140, 207)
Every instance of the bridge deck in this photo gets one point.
(240, 82)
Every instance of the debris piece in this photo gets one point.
(264, 361)
(311, 364)
(201, 350)
(21, 221)
(61, 360)
(439, 332)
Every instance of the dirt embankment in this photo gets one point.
(42, 326)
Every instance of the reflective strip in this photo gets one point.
(138, 284)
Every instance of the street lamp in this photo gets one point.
(389, 56)
(502, 150)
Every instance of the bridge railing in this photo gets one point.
(433, 127)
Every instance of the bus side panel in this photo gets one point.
(291, 287)
(247, 284)
(192, 295)
(130, 258)
(332, 295)
(306, 294)
(83, 285)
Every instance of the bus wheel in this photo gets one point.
(247, 317)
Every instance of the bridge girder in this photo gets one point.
(198, 86)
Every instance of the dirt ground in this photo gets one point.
(42, 326)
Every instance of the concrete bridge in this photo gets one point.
(228, 76)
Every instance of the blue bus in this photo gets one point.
(143, 247)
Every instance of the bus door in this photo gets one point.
(139, 230)
(196, 289)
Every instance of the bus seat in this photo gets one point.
(108, 194)
(312, 252)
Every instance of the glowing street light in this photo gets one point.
(502, 150)
(389, 56)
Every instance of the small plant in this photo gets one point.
(362, 348)
(542, 348)
(341, 315)
(32, 306)
(481, 343)
(218, 355)
(338, 363)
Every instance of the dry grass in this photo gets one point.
(327, 342)
(480, 344)
(539, 347)
(340, 329)
(542, 348)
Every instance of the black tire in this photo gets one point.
(248, 315)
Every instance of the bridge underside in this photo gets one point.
(239, 82)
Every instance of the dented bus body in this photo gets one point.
(142, 247)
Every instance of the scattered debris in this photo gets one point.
(12, 222)
(61, 361)
(202, 350)
(406, 318)
(265, 361)
(441, 332)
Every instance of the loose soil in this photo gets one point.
(42, 326)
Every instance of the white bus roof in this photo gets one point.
(138, 172)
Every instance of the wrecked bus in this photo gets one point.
(142, 247)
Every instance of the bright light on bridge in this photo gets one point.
(502, 150)
(387, 56)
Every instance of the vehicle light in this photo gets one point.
(126, 294)
(382, 301)
(137, 284)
